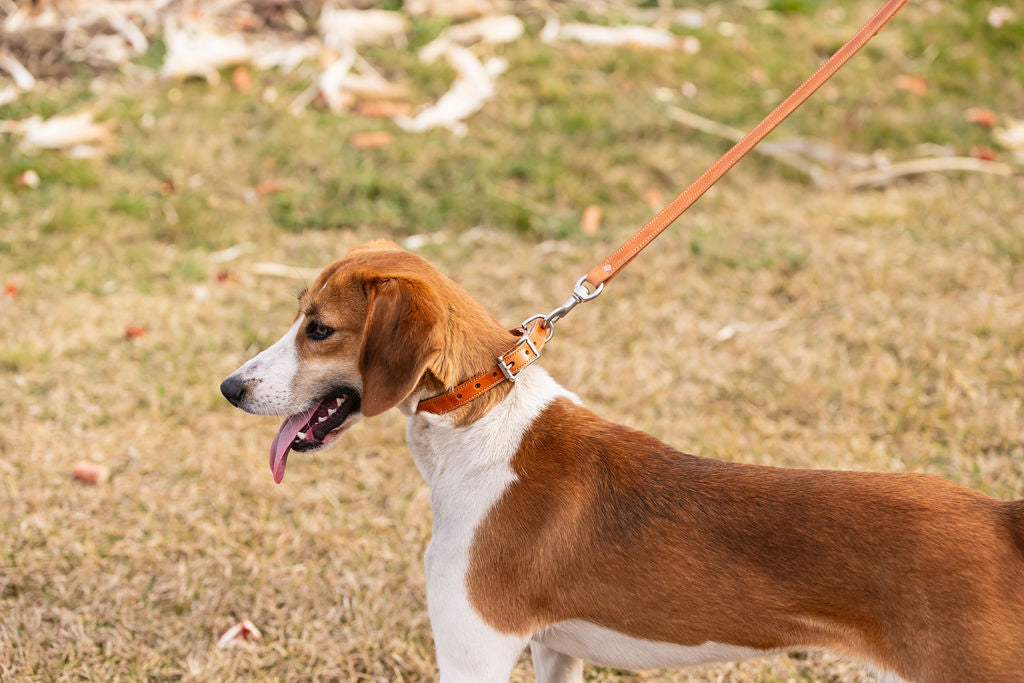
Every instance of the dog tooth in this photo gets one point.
(338, 401)
(322, 418)
(331, 411)
(301, 435)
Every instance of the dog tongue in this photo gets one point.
(283, 441)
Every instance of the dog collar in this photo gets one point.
(510, 364)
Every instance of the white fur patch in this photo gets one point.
(269, 377)
(468, 469)
(610, 648)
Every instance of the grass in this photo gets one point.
(878, 330)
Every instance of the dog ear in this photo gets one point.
(402, 335)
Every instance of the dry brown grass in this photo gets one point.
(879, 330)
(889, 348)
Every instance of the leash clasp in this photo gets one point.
(579, 295)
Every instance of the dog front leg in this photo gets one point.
(551, 666)
(468, 650)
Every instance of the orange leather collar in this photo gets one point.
(510, 364)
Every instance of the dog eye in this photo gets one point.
(316, 330)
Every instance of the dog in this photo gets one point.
(587, 540)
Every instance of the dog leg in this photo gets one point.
(551, 666)
(468, 649)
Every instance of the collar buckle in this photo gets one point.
(506, 366)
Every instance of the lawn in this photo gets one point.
(778, 323)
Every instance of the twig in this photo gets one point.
(814, 172)
(282, 270)
(928, 165)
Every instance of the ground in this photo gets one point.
(778, 323)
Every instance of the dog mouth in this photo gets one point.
(313, 428)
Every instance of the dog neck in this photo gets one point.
(451, 455)
(473, 340)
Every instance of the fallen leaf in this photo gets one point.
(915, 84)
(28, 179)
(654, 198)
(242, 631)
(134, 332)
(591, 221)
(383, 109)
(224, 276)
(982, 117)
(266, 187)
(984, 153)
(12, 289)
(90, 473)
(373, 139)
(241, 78)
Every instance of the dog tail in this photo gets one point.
(1014, 511)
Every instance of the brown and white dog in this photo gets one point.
(591, 541)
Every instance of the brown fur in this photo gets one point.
(912, 572)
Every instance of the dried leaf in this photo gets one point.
(984, 153)
(383, 109)
(591, 221)
(373, 139)
(90, 473)
(654, 198)
(915, 84)
(241, 78)
(11, 289)
(240, 632)
(982, 117)
(266, 187)
(134, 332)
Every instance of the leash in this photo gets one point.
(528, 349)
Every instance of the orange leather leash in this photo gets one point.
(526, 351)
(624, 254)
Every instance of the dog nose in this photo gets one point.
(233, 390)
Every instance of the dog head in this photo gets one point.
(374, 331)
